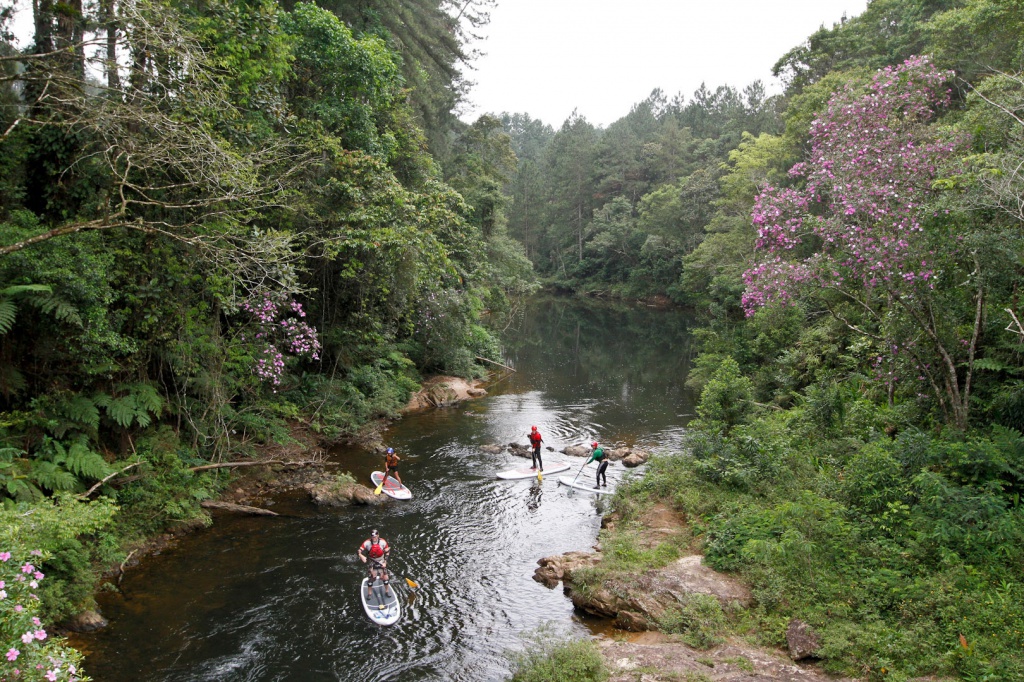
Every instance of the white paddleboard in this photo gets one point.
(391, 487)
(527, 472)
(381, 608)
(581, 485)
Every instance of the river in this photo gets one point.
(277, 598)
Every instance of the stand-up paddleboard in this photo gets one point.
(527, 472)
(391, 486)
(381, 608)
(568, 482)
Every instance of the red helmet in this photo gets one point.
(533, 428)
(594, 444)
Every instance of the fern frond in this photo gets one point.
(79, 409)
(11, 380)
(7, 454)
(995, 365)
(122, 411)
(85, 463)
(148, 398)
(58, 307)
(52, 476)
(8, 311)
(18, 289)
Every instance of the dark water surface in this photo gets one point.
(277, 598)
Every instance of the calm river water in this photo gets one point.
(277, 599)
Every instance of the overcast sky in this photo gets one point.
(548, 57)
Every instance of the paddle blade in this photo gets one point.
(380, 487)
(540, 476)
(411, 583)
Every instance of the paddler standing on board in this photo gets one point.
(391, 461)
(535, 441)
(602, 464)
(374, 552)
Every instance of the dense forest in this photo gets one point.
(853, 248)
(221, 221)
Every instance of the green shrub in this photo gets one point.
(577, 660)
(699, 619)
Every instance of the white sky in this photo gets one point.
(548, 57)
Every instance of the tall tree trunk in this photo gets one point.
(113, 81)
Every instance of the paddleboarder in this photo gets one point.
(391, 461)
(602, 459)
(374, 552)
(535, 441)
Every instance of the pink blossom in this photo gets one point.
(12, 654)
(40, 635)
(5, 556)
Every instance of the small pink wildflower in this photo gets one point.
(12, 654)
(40, 635)
(27, 568)
(5, 556)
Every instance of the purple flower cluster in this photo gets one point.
(872, 164)
(280, 329)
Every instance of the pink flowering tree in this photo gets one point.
(27, 651)
(280, 331)
(862, 236)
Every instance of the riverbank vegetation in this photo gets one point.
(222, 224)
(223, 221)
(853, 247)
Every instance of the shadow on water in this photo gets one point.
(277, 599)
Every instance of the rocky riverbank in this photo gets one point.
(642, 604)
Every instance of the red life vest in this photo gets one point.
(535, 437)
(375, 550)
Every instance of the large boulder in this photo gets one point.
(635, 459)
(443, 391)
(803, 642)
(554, 569)
(647, 597)
(86, 621)
(520, 450)
(492, 448)
(341, 493)
(577, 451)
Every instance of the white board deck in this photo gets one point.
(391, 487)
(381, 608)
(583, 485)
(527, 472)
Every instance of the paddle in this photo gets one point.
(380, 486)
(580, 471)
